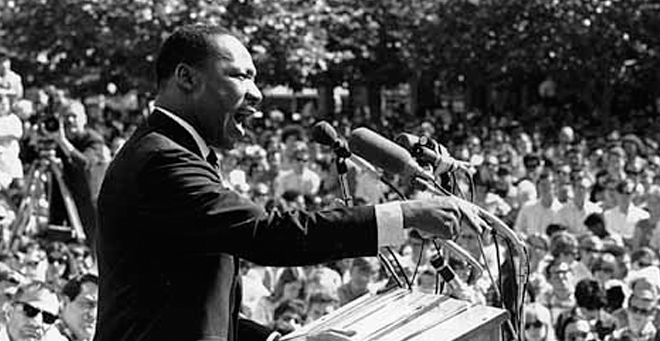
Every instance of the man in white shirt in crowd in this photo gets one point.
(31, 314)
(622, 219)
(534, 217)
(573, 213)
(11, 130)
(300, 177)
(10, 82)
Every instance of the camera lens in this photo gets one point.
(51, 124)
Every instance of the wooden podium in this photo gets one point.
(402, 315)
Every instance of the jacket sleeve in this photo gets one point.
(179, 190)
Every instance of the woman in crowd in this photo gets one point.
(290, 285)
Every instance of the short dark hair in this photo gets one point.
(589, 294)
(295, 305)
(73, 287)
(189, 44)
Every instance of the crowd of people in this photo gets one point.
(587, 207)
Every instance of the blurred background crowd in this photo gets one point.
(586, 201)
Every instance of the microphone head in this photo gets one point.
(380, 151)
(406, 140)
(323, 133)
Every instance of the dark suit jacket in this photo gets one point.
(169, 235)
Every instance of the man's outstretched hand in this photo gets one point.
(441, 217)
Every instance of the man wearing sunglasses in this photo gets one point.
(31, 314)
(640, 320)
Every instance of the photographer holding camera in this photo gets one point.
(84, 157)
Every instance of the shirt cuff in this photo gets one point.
(274, 336)
(389, 220)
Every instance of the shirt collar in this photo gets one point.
(203, 147)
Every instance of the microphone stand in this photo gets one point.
(347, 198)
(342, 171)
(505, 231)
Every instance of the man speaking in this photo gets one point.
(170, 234)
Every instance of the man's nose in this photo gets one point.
(253, 94)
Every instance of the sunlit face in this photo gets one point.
(561, 279)
(318, 310)
(228, 95)
(535, 330)
(28, 316)
(579, 331)
(80, 314)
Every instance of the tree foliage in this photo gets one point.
(588, 46)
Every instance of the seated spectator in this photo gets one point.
(560, 298)
(577, 329)
(79, 309)
(288, 316)
(300, 177)
(590, 301)
(363, 272)
(591, 248)
(564, 248)
(573, 213)
(323, 279)
(622, 219)
(320, 304)
(647, 231)
(34, 263)
(538, 324)
(59, 264)
(290, 285)
(535, 216)
(604, 268)
(641, 319)
(31, 313)
(643, 258)
(595, 223)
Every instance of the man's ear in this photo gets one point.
(186, 77)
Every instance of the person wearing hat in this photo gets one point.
(640, 320)
(574, 211)
(623, 218)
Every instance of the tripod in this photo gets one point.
(34, 211)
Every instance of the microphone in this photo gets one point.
(323, 133)
(429, 152)
(462, 253)
(459, 288)
(385, 154)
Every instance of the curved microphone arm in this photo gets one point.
(499, 226)
(461, 252)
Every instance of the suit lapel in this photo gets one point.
(162, 123)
